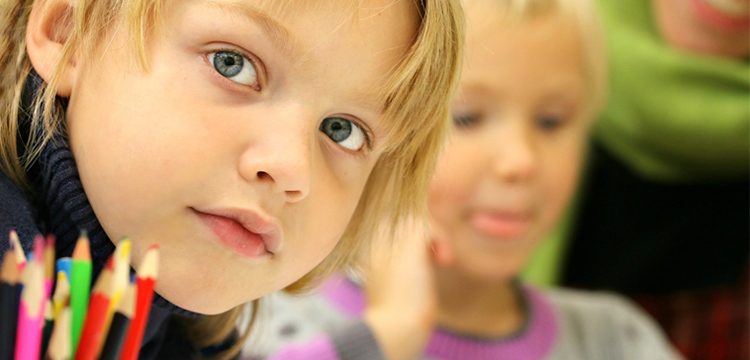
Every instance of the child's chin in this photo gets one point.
(496, 272)
(203, 300)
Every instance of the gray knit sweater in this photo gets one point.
(561, 324)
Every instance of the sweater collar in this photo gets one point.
(534, 341)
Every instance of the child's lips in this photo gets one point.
(738, 8)
(245, 232)
(500, 224)
(724, 15)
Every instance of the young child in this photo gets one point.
(532, 82)
(224, 132)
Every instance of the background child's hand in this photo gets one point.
(399, 283)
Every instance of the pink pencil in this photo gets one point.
(30, 314)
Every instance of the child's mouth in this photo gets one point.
(246, 238)
(502, 225)
(726, 15)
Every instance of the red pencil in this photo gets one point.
(147, 274)
(92, 334)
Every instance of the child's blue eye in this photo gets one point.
(234, 66)
(344, 132)
(549, 122)
(465, 120)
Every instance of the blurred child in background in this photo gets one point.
(532, 83)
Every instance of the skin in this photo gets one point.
(153, 146)
(684, 26)
(516, 151)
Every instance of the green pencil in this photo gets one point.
(80, 283)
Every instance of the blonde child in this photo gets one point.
(224, 132)
(532, 82)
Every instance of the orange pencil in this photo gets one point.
(15, 244)
(92, 334)
(145, 280)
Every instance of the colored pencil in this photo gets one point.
(147, 273)
(15, 244)
(49, 324)
(39, 252)
(120, 279)
(119, 327)
(64, 264)
(30, 312)
(59, 344)
(49, 264)
(92, 334)
(10, 289)
(80, 282)
(62, 294)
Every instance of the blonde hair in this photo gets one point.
(585, 16)
(416, 114)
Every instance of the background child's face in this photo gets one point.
(236, 115)
(712, 27)
(515, 153)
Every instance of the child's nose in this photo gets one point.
(280, 159)
(515, 159)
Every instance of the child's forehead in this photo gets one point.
(313, 41)
(287, 10)
(289, 23)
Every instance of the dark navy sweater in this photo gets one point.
(57, 204)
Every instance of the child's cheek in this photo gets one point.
(447, 198)
(559, 187)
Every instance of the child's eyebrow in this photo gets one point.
(274, 30)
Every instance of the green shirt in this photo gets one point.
(671, 116)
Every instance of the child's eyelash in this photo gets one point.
(466, 120)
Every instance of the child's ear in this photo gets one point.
(50, 24)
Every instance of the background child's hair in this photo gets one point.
(416, 113)
(584, 14)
